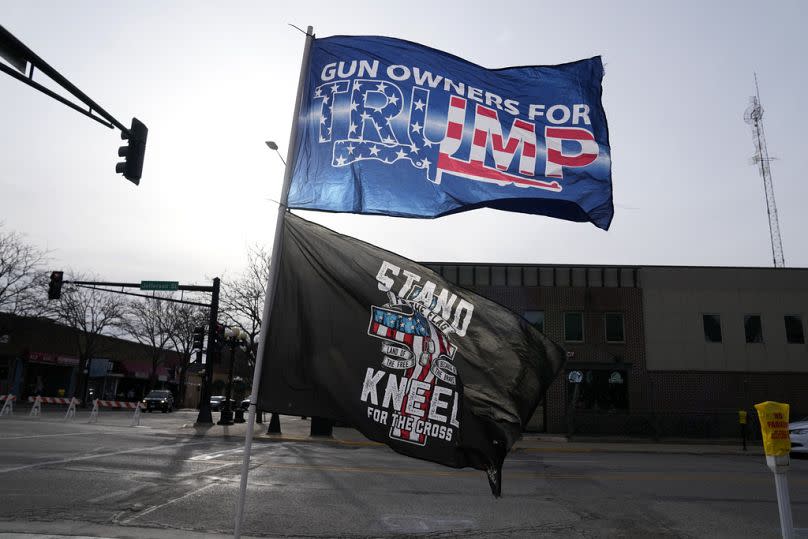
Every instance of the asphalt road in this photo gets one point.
(162, 479)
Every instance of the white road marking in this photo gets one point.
(117, 494)
(42, 436)
(95, 455)
(549, 461)
(169, 502)
(218, 454)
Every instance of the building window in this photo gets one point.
(536, 319)
(794, 334)
(598, 389)
(613, 323)
(753, 328)
(573, 327)
(712, 327)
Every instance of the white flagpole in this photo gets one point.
(269, 299)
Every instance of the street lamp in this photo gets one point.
(234, 338)
(272, 146)
(274, 421)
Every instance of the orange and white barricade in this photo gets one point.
(94, 413)
(8, 405)
(50, 400)
(36, 409)
(71, 410)
(98, 404)
(136, 416)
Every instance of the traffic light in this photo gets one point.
(132, 167)
(55, 285)
(199, 337)
(219, 335)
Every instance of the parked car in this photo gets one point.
(216, 402)
(798, 432)
(245, 404)
(159, 399)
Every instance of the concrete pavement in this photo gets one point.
(158, 480)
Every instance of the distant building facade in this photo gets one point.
(40, 356)
(658, 351)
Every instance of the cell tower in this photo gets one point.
(754, 117)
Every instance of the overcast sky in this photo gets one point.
(214, 80)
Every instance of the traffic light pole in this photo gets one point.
(205, 417)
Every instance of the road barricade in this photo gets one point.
(36, 409)
(118, 404)
(98, 404)
(71, 410)
(72, 402)
(8, 405)
(50, 400)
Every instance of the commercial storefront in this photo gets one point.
(49, 374)
(39, 357)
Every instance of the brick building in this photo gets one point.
(665, 351)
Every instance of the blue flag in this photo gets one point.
(391, 127)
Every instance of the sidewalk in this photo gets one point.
(294, 428)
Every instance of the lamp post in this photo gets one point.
(233, 337)
(272, 146)
(274, 420)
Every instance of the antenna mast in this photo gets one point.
(754, 117)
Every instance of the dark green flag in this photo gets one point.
(371, 339)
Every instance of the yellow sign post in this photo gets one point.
(777, 445)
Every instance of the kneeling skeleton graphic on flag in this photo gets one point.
(415, 346)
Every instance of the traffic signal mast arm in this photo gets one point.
(25, 61)
(94, 285)
(20, 56)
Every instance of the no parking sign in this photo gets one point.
(774, 427)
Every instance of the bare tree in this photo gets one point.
(242, 303)
(183, 320)
(148, 321)
(22, 278)
(91, 312)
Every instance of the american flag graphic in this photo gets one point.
(426, 343)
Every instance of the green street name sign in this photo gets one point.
(159, 285)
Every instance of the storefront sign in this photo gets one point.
(45, 358)
(99, 367)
